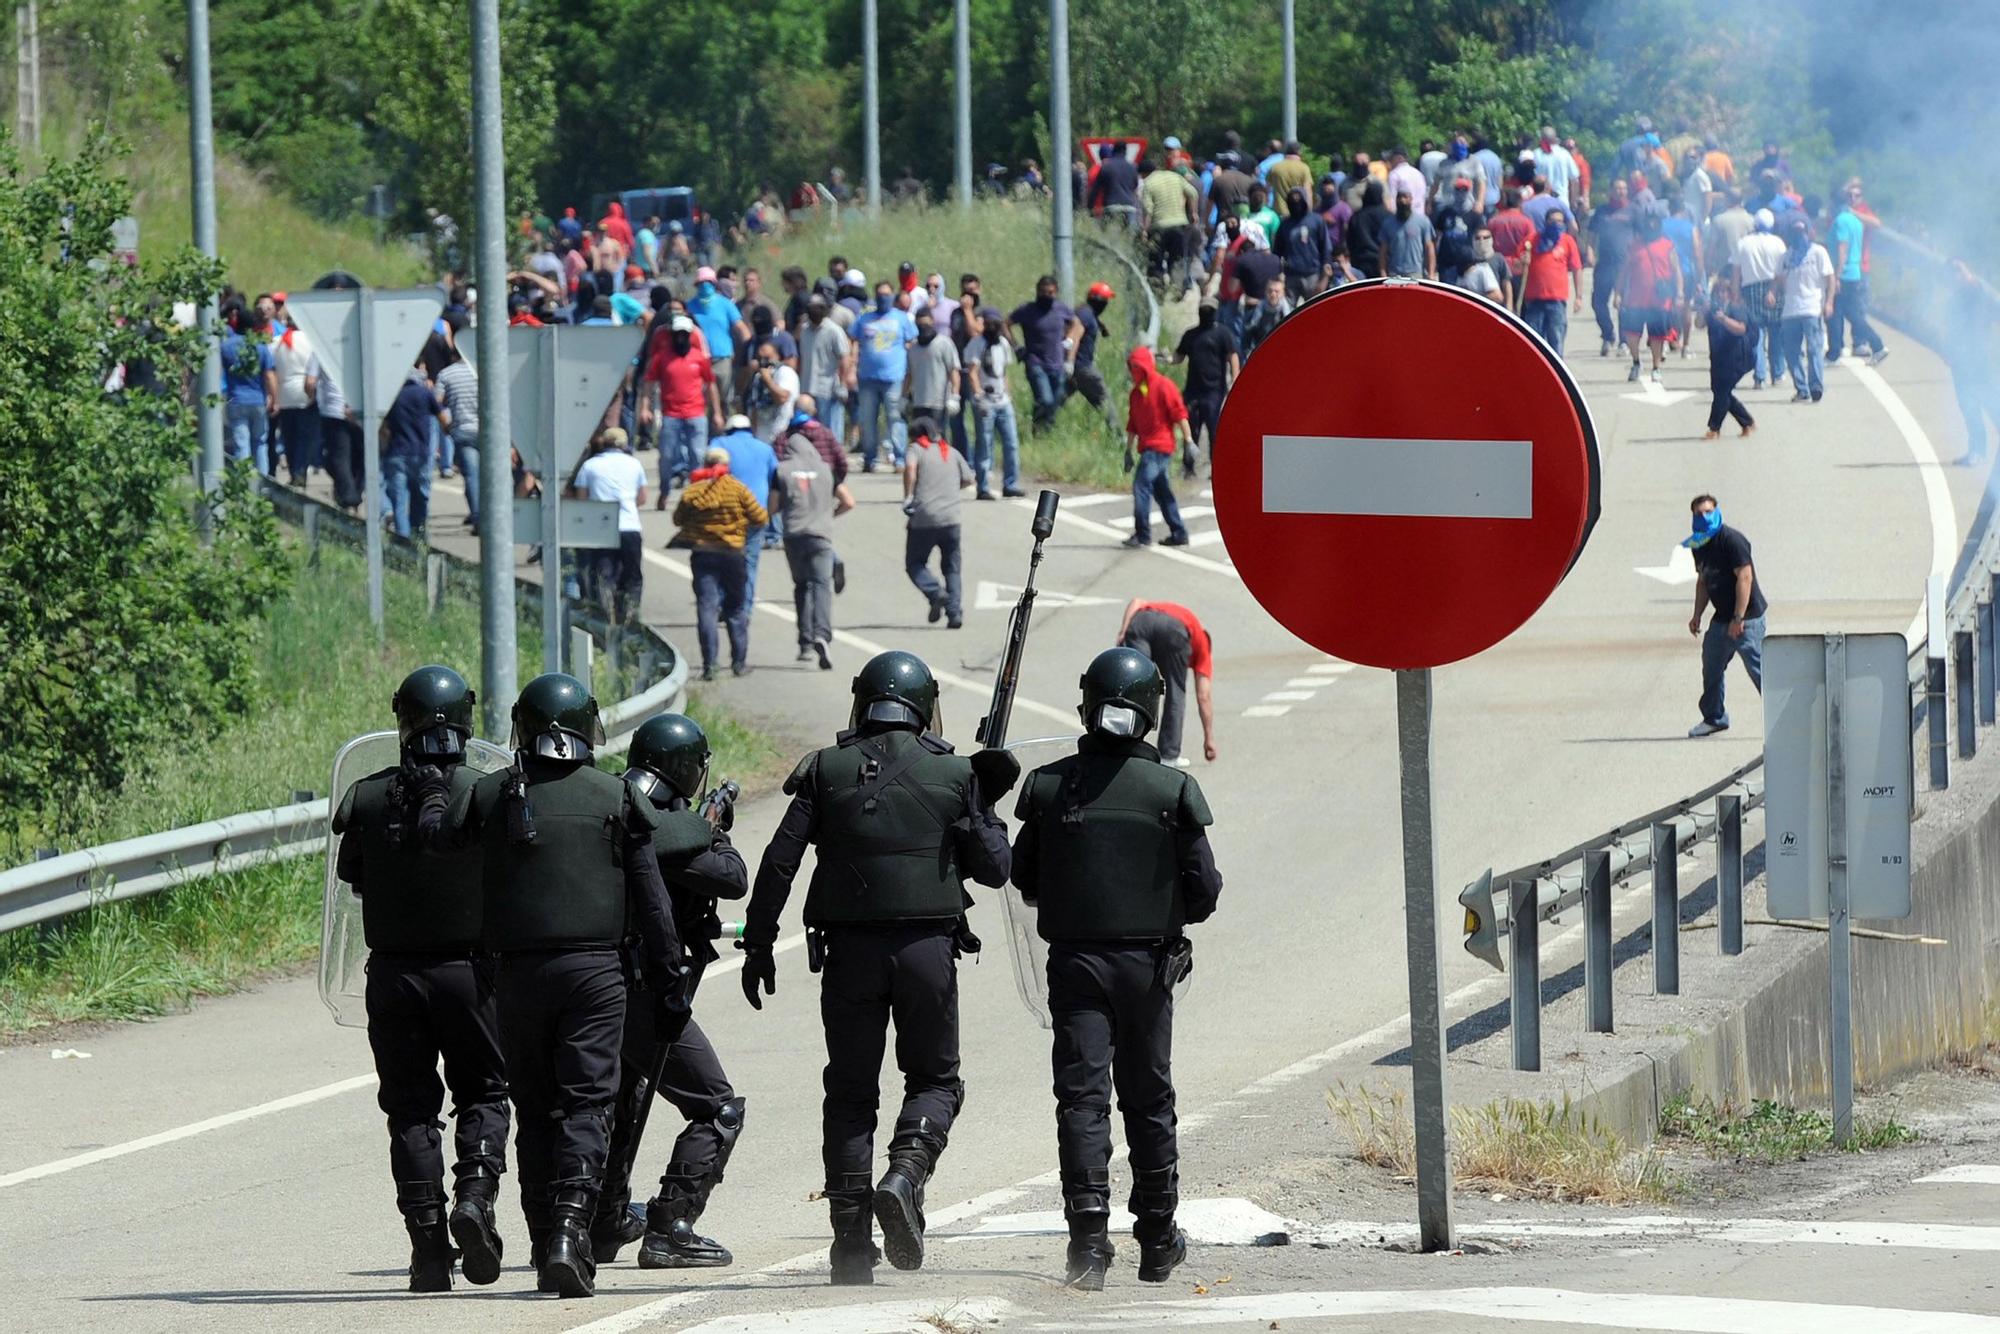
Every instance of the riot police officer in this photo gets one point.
(1114, 855)
(428, 995)
(899, 822)
(669, 759)
(569, 873)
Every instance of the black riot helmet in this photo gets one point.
(895, 688)
(669, 758)
(433, 710)
(1121, 693)
(556, 718)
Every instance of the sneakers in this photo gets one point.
(1136, 540)
(1181, 762)
(937, 613)
(1756, 383)
(1818, 394)
(1632, 376)
(986, 495)
(805, 654)
(1174, 540)
(1881, 355)
(825, 663)
(1802, 397)
(1605, 349)
(839, 577)
(1656, 376)
(1706, 728)
(1013, 493)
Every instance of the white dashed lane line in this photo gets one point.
(1299, 690)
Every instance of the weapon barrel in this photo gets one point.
(999, 710)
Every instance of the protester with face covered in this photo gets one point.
(1758, 259)
(1610, 241)
(1302, 245)
(1550, 293)
(1727, 581)
(1807, 285)
(680, 384)
(1209, 351)
(1365, 235)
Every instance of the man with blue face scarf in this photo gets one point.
(721, 323)
(882, 336)
(1728, 582)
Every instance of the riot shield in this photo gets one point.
(1025, 946)
(343, 950)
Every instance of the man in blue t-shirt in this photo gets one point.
(882, 335)
(755, 464)
(1049, 332)
(721, 323)
(406, 451)
(1850, 302)
(249, 385)
(1085, 380)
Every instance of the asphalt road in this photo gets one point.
(280, 1214)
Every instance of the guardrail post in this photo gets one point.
(1524, 967)
(1986, 662)
(312, 533)
(582, 654)
(436, 571)
(1666, 910)
(1729, 872)
(1962, 673)
(1934, 705)
(1597, 937)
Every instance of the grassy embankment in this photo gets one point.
(321, 679)
(1007, 244)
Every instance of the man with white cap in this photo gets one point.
(722, 328)
(1759, 259)
(680, 382)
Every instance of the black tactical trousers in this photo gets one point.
(422, 1007)
(906, 971)
(562, 1015)
(1114, 1028)
(693, 1081)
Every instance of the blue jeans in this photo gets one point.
(918, 544)
(1770, 345)
(1850, 311)
(753, 546)
(441, 446)
(1717, 648)
(1149, 483)
(1010, 448)
(833, 415)
(682, 440)
(720, 586)
(1803, 338)
(249, 434)
(409, 483)
(872, 399)
(1550, 319)
(1048, 388)
(468, 468)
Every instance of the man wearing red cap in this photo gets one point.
(1085, 380)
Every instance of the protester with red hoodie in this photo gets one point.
(614, 225)
(1155, 418)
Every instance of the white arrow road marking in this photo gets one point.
(1331, 667)
(1679, 568)
(1295, 696)
(1652, 391)
(1971, 1174)
(1267, 710)
(925, 1316)
(1307, 683)
(1002, 597)
(1100, 498)
(1431, 479)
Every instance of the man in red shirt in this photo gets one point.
(1175, 640)
(1155, 418)
(683, 379)
(1551, 294)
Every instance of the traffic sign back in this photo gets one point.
(400, 321)
(590, 364)
(1404, 473)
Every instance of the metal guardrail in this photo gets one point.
(1149, 336)
(136, 867)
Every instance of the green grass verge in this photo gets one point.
(1006, 242)
(1768, 1132)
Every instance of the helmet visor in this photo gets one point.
(442, 742)
(559, 745)
(893, 712)
(1120, 720)
(650, 785)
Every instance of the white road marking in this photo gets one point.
(1679, 568)
(1556, 1306)
(1296, 696)
(1267, 710)
(1652, 391)
(1002, 597)
(1211, 537)
(1331, 668)
(984, 689)
(1962, 1237)
(1969, 1174)
(1937, 497)
(1180, 554)
(1101, 498)
(1450, 479)
(1208, 1222)
(893, 1317)
(1307, 683)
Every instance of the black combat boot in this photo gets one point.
(474, 1227)
(853, 1256)
(618, 1224)
(538, 1209)
(422, 1205)
(1087, 1207)
(1162, 1246)
(671, 1241)
(899, 1196)
(570, 1266)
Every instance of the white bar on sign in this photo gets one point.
(1430, 479)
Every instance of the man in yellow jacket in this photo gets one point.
(716, 514)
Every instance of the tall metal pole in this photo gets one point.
(201, 162)
(498, 652)
(28, 75)
(961, 55)
(1420, 939)
(371, 414)
(1291, 106)
(553, 483)
(871, 111)
(1059, 148)
(1839, 956)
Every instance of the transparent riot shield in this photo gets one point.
(1025, 946)
(343, 950)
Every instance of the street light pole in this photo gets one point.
(201, 162)
(871, 111)
(961, 50)
(1291, 105)
(1059, 150)
(498, 651)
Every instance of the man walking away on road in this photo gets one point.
(1850, 303)
(612, 474)
(716, 515)
(1177, 642)
(1728, 582)
(249, 386)
(882, 336)
(1113, 854)
(1758, 260)
(1730, 356)
(1049, 331)
(1167, 202)
(1808, 284)
(809, 499)
(458, 385)
(987, 358)
(755, 464)
(1114, 190)
(1649, 290)
(1610, 242)
(292, 361)
(405, 440)
(1212, 367)
(1155, 418)
(933, 476)
(340, 441)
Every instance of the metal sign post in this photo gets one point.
(1420, 937)
(1839, 956)
(371, 450)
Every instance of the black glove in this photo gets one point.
(1130, 462)
(419, 778)
(672, 1008)
(759, 967)
(997, 772)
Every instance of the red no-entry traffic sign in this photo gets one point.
(1404, 473)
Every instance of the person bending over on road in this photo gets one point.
(1728, 583)
(1176, 640)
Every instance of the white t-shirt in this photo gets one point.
(1759, 256)
(992, 357)
(615, 475)
(1806, 283)
(774, 416)
(292, 358)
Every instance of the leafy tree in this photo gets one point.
(119, 626)
(1151, 69)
